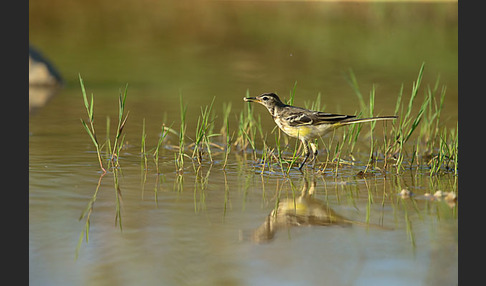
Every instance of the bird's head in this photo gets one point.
(269, 100)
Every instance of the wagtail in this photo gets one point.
(306, 125)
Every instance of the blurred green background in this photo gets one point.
(223, 48)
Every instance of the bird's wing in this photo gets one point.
(315, 117)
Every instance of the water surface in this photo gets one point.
(204, 227)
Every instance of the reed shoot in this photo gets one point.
(182, 131)
(118, 143)
(91, 129)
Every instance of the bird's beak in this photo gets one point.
(251, 99)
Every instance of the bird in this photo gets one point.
(304, 124)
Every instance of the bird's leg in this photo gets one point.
(307, 153)
(314, 153)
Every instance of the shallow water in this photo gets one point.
(202, 227)
(206, 232)
(209, 226)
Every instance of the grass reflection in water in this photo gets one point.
(247, 148)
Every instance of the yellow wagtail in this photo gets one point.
(305, 124)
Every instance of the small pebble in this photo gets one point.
(438, 194)
(405, 193)
(451, 197)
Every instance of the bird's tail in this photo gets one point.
(361, 120)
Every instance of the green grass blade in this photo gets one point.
(83, 90)
(91, 135)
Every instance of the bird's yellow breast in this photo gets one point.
(305, 131)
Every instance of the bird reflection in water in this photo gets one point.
(304, 210)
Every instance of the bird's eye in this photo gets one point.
(265, 98)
